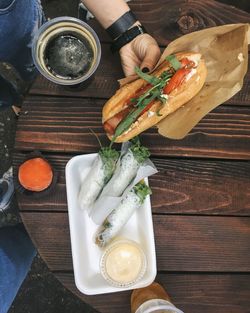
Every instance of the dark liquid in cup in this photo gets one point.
(69, 56)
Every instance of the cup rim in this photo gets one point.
(73, 20)
(105, 254)
(161, 306)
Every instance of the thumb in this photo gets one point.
(151, 57)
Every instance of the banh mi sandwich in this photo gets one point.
(142, 103)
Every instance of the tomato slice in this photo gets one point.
(176, 80)
(185, 62)
(179, 76)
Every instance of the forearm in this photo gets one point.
(106, 11)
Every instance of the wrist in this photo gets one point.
(127, 37)
(122, 24)
(106, 11)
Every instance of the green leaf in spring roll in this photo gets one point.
(142, 190)
(109, 158)
(140, 152)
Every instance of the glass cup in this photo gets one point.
(152, 299)
(66, 51)
(123, 263)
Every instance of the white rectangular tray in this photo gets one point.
(85, 253)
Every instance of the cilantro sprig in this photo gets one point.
(142, 190)
(148, 78)
(109, 158)
(140, 152)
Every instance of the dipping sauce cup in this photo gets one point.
(123, 263)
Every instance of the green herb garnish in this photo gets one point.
(148, 78)
(109, 158)
(173, 61)
(135, 113)
(142, 190)
(140, 152)
(155, 92)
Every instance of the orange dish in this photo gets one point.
(35, 174)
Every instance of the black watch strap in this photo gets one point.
(121, 25)
(126, 37)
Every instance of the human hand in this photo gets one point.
(143, 51)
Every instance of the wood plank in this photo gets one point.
(105, 83)
(180, 187)
(183, 243)
(194, 187)
(63, 124)
(168, 19)
(192, 293)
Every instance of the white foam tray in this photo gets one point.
(85, 253)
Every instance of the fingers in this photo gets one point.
(129, 63)
(129, 70)
(143, 51)
(129, 60)
(151, 57)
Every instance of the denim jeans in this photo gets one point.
(19, 20)
(16, 255)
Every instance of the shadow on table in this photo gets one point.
(42, 293)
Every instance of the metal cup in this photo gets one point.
(58, 28)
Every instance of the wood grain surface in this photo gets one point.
(201, 194)
(180, 187)
(191, 292)
(167, 19)
(63, 124)
(183, 243)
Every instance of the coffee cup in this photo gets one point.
(66, 51)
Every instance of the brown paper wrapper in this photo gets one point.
(225, 51)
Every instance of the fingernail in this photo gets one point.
(145, 70)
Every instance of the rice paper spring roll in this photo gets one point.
(127, 169)
(101, 171)
(119, 216)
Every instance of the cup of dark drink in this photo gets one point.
(66, 51)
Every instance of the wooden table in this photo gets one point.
(201, 195)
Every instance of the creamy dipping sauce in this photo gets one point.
(123, 263)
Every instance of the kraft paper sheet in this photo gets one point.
(225, 51)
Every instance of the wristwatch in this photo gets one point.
(121, 25)
(127, 37)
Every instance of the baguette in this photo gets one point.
(187, 89)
